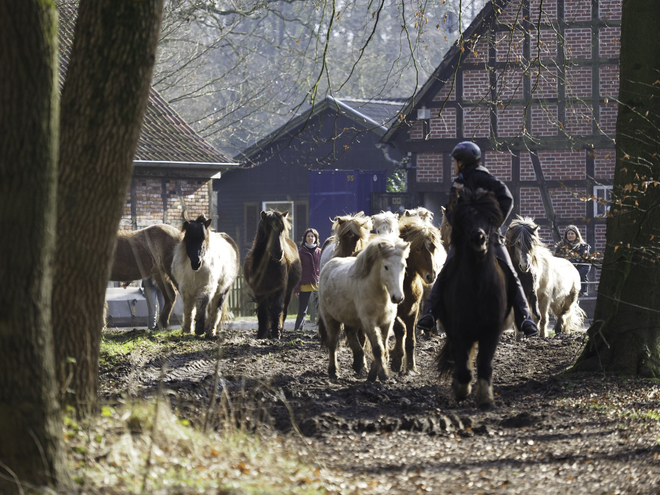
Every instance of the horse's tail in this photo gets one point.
(444, 360)
(575, 318)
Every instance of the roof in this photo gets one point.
(370, 114)
(445, 71)
(166, 140)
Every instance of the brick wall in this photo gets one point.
(498, 164)
(475, 85)
(609, 9)
(476, 122)
(417, 130)
(509, 85)
(562, 164)
(577, 10)
(604, 161)
(510, 121)
(509, 45)
(526, 167)
(544, 120)
(429, 167)
(448, 92)
(599, 244)
(609, 39)
(543, 82)
(578, 82)
(569, 203)
(609, 80)
(577, 43)
(443, 126)
(477, 51)
(531, 204)
(546, 48)
(543, 10)
(579, 118)
(608, 113)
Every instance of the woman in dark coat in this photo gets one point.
(310, 257)
(575, 250)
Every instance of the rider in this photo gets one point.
(472, 175)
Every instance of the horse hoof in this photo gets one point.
(486, 406)
(372, 375)
(461, 391)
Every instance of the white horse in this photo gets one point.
(555, 282)
(363, 292)
(205, 266)
(421, 212)
(385, 223)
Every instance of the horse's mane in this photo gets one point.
(417, 231)
(358, 224)
(484, 202)
(421, 212)
(378, 248)
(263, 230)
(525, 232)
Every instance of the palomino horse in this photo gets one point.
(555, 283)
(363, 292)
(424, 262)
(205, 265)
(272, 270)
(145, 253)
(475, 296)
(350, 233)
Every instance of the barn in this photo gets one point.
(534, 83)
(326, 161)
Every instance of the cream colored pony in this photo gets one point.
(385, 223)
(363, 292)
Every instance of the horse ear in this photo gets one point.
(285, 213)
(207, 222)
(536, 228)
(263, 215)
(185, 225)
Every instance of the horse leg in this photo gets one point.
(359, 362)
(484, 391)
(462, 383)
(188, 307)
(333, 329)
(200, 317)
(398, 351)
(169, 296)
(215, 312)
(262, 317)
(378, 366)
(276, 311)
(411, 343)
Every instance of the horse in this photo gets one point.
(363, 292)
(421, 212)
(475, 296)
(385, 223)
(205, 265)
(145, 253)
(551, 284)
(424, 262)
(272, 269)
(350, 234)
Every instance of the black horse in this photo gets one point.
(475, 296)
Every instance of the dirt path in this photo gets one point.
(550, 432)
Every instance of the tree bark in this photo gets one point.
(625, 335)
(31, 446)
(103, 103)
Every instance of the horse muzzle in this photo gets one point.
(479, 240)
(195, 265)
(397, 299)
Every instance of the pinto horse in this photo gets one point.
(551, 284)
(363, 292)
(475, 296)
(205, 265)
(272, 269)
(145, 253)
(424, 262)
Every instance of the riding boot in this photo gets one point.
(521, 313)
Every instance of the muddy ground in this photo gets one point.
(550, 432)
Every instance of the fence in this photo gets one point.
(241, 302)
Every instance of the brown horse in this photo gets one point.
(145, 253)
(272, 269)
(424, 262)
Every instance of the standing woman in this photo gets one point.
(310, 257)
(574, 249)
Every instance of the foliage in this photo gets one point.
(396, 183)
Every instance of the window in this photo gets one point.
(603, 195)
(282, 206)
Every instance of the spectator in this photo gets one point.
(575, 250)
(310, 257)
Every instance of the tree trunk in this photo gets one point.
(31, 449)
(625, 335)
(103, 103)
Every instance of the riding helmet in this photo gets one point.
(467, 152)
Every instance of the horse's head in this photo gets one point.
(426, 252)
(385, 223)
(477, 216)
(393, 267)
(351, 232)
(196, 239)
(521, 237)
(275, 222)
